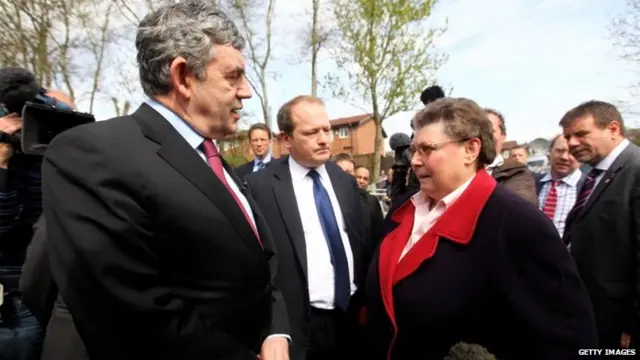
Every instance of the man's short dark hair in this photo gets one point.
(431, 94)
(344, 157)
(259, 126)
(496, 113)
(603, 114)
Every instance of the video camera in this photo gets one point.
(43, 118)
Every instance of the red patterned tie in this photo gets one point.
(551, 202)
(213, 158)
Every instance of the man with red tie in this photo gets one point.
(156, 248)
(558, 190)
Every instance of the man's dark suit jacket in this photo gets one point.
(40, 294)
(605, 244)
(273, 190)
(376, 218)
(151, 253)
(246, 169)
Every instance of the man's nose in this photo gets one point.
(244, 91)
(572, 141)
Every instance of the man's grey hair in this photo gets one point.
(188, 29)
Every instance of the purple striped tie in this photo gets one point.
(587, 189)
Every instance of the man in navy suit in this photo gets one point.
(260, 137)
(320, 229)
(603, 227)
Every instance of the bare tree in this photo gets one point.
(625, 33)
(96, 42)
(259, 51)
(315, 39)
(63, 42)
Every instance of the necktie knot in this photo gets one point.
(209, 149)
(594, 173)
(314, 175)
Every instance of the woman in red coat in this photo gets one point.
(463, 259)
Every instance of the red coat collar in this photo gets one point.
(458, 223)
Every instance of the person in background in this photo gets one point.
(154, 245)
(372, 205)
(345, 162)
(558, 189)
(603, 227)
(509, 173)
(21, 332)
(260, 137)
(519, 154)
(363, 177)
(465, 260)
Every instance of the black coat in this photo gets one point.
(149, 250)
(491, 271)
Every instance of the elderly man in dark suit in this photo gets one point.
(156, 249)
(320, 229)
(603, 228)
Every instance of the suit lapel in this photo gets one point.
(603, 184)
(175, 150)
(288, 206)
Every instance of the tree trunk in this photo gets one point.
(314, 48)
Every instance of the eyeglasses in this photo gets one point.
(425, 149)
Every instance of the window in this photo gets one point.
(343, 132)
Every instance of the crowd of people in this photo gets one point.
(132, 238)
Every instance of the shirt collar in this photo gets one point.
(185, 130)
(266, 159)
(299, 172)
(606, 163)
(498, 161)
(571, 179)
(421, 199)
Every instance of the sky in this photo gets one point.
(531, 60)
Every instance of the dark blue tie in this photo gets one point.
(260, 165)
(342, 283)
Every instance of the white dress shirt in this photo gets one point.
(319, 267)
(567, 194)
(606, 163)
(424, 219)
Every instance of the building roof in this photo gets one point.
(351, 120)
(356, 120)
